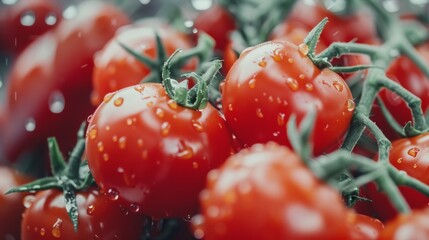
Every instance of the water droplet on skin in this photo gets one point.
(28, 18)
(415, 165)
(303, 49)
(30, 125)
(139, 88)
(42, 232)
(92, 134)
(185, 151)
(339, 86)
(259, 113)
(129, 121)
(165, 128)
(50, 19)
(159, 112)
(199, 127)
(89, 118)
(252, 83)
(100, 146)
(112, 194)
(107, 97)
(292, 83)
(230, 108)
(290, 60)
(198, 226)
(134, 208)
(56, 102)
(195, 165)
(70, 12)
(28, 200)
(201, 5)
(399, 160)
(326, 128)
(122, 142)
(277, 55)
(56, 228)
(106, 157)
(140, 142)
(281, 119)
(413, 151)
(90, 209)
(309, 87)
(350, 105)
(262, 62)
(118, 101)
(172, 104)
(114, 138)
(301, 76)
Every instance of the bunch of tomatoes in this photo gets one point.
(276, 119)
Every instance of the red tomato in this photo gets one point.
(364, 227)
(272, 81)
(265, 192)
(23, 21)
(12, 205)
(218, 23)
(99, 218)
(406, 73)
(48, 90)
(115, 68)
(151, 154)
(412, 226)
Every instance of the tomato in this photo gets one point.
(411, 226)
(265, 192)
(23, 21)
(11, 206)
(403, 71)
(272, 81)
(218, 23)
(115, 68)
(148, 151)
(364, 227)
(48, 90)
(99, 218)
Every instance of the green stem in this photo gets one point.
(75, 159)
(409, 50)
(401, 178)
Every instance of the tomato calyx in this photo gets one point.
(70, 177)
(203, 51)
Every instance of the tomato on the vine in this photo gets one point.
(151, 154)
(265, 192)
(364, 227)
(408, 226)
(274, 80)
(99, 218)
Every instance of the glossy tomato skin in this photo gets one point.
(406, 73)
(48, 90)
(412, 226)
(22, 22)
(11, 205)
(265, 192)
(152, 153)
(272, 81)
(364, 227)
(99, 218)
(115, 68)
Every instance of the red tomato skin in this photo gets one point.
(152, 153)
(272, 81)
(99, 218)
(412, 226)
(265, 192)
(11, 205)
(14, 36)
(57, 65)
(364, 227)
(115, 68)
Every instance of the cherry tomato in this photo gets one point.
(12, 205)
(48, 90)
(99, 218)
(23, 21)
(364, 227)
(265, 192)
(411, 226)
(148, 151)
(115, 68)
(272, 81)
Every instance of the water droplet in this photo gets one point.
(326, 128)
(188, 23)
(51, 19)
(56, 102)
(281, 119)
(9, 2)
(129, 121)
(290, 60)
(30, 125)
(303, 49)
(309, 87)
(90, 209)
(172, 104)
(198, 226)
(415, 165)
(107, 97)
(277, 55)
(165, 128)
(199, 127)
(118, 101)
(301, 76)
(28, 18)
(350, 105)
(56, 228)
(42, 232)
(28, 200)
(122, 142)
(292, 83)
(100, 146)
(252, 83)
(195, 165)
(139, 88)
(413, 151)
(144, 2)
(114, 138)
(140, 142)
(106, 157)
(259, 113)
(262, 62)
(339, 86)
(92, 133)
(185, 151)
(201, 5)
(134, 208)
(159, 112)
(230, 108)
(70, 12)
(112, 194)
(399, 160)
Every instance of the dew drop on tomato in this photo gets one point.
(56, 228)
(106, 157)
(165, 128)
(290, 60)
(259, 113)
(42, 232)
(277, 55)
(134, 208)
(51, 19)
(198, 226)
(70, 12)
(118, 101)
(100, 146)
(107, 97)
(30, 125)
(56, 102)
(28, 200)
(159, 112)
(112, 194)
(90, 209)
(262, 62)
(350, 105)
(413, 151)
(172, 104)
(292, 83)
(338, 86)
(122, 141)
(303, 49)
(252, 83)
(197, 126)
(92, 133)
(28, 18)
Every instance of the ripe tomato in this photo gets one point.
(151, 154)
(272, 81)
(99, 218)
(11, 206)
(412, 226)
(48, 90)
(115, 68)
(265, 192)
(23, 21)
(406, 73)
(364, 227)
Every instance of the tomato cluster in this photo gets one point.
(249, 121)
